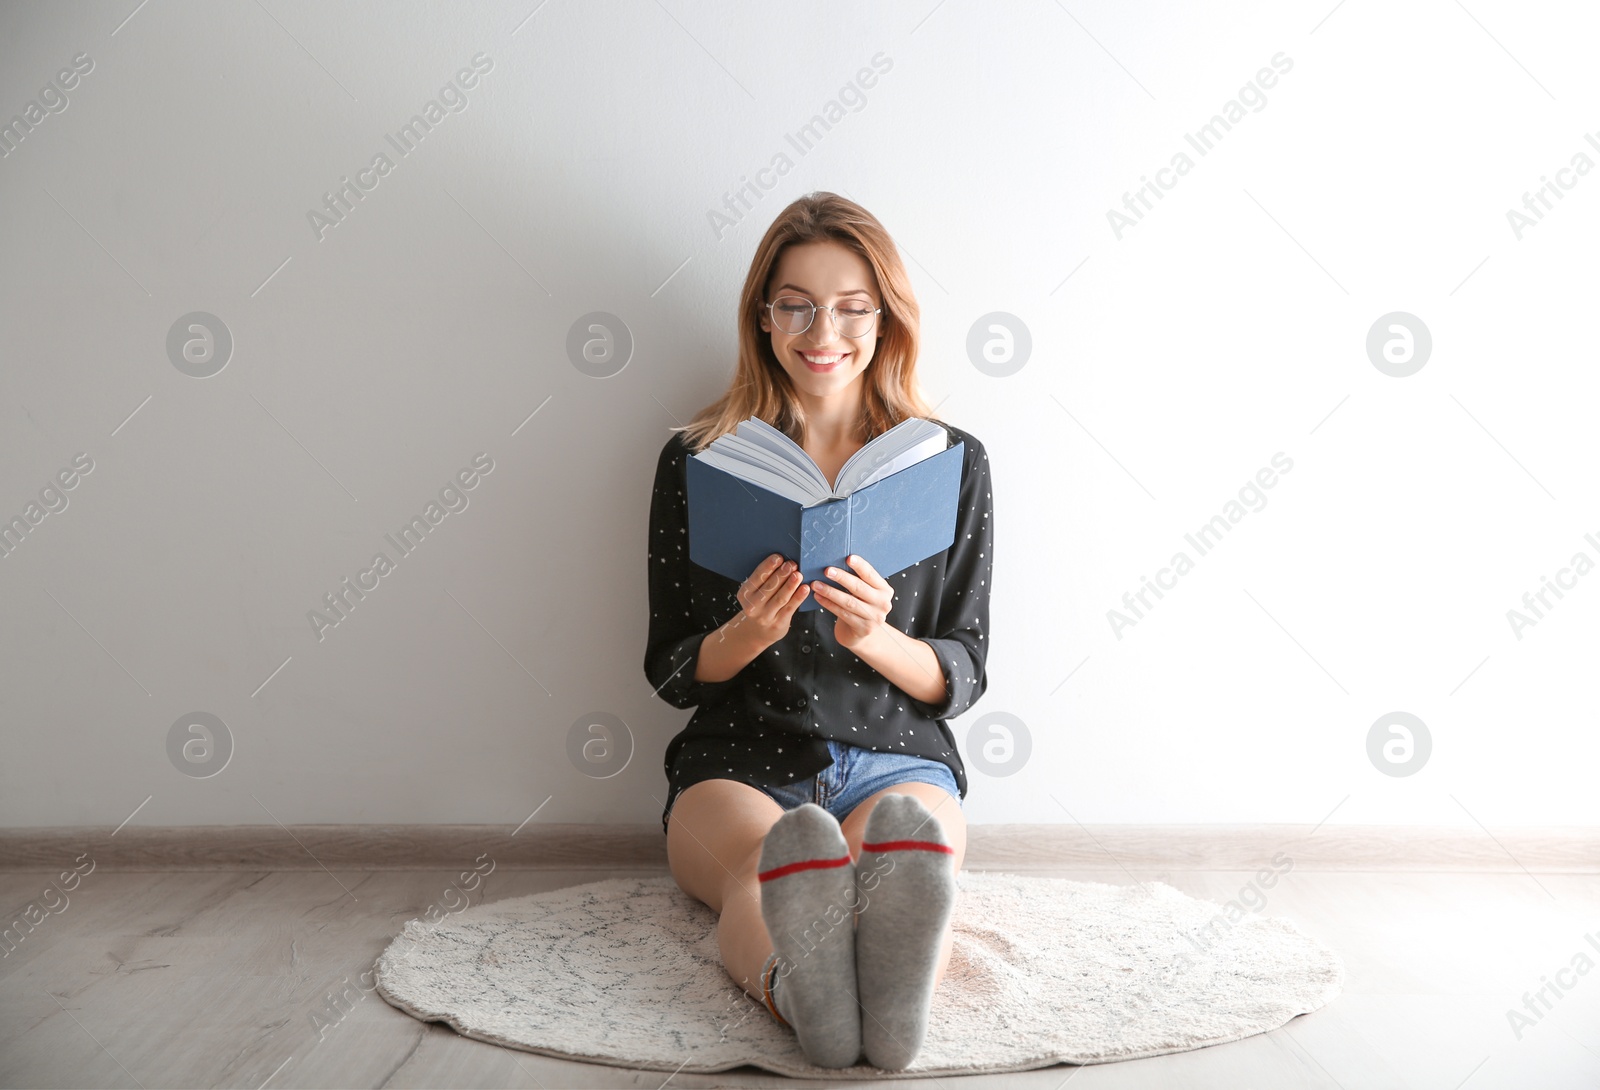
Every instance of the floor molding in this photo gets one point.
(1129, 848)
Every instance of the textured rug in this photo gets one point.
(1042, 971)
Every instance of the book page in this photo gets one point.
(761, 454)
(764, 436)
(905, 444)
(927, 448)
(777, 476)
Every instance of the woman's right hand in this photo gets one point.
(769, 598)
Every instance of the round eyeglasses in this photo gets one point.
(793, 314)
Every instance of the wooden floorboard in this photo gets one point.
(211, 977)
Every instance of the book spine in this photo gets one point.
(824, 542)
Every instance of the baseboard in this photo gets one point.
(1139, 851)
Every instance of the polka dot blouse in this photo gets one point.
(769, 723)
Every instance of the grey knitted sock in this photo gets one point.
(807, 894)
(907, 888)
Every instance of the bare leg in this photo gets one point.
(714, 836)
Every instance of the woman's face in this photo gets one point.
(822, 362)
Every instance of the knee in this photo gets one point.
(742, 878)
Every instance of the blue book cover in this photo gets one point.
(894, 522)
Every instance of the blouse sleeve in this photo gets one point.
(962, 644)
(673, 646)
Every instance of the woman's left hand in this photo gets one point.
(861, 609)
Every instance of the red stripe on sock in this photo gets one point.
(804, 864)
(904, 845)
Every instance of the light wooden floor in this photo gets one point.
(211, 978)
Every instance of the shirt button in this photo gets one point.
(801, 702)
(805, 649)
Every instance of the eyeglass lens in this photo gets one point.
(794, 314)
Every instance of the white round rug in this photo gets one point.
(1042, 971)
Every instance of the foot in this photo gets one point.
(906, 888)
(807, 893)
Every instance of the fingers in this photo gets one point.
(855, 591)
(780, 582)
(756, 586)
(841, 601)
(795, 598)
(769, 586)
(764, 572)
(849, 582)
(866, 572)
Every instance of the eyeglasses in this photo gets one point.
(793, 314)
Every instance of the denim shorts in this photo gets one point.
(856, 775)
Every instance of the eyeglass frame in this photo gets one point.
(832, 313)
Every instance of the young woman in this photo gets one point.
(815, 795)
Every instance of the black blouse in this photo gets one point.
(770, 722)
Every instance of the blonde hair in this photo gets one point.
(760, 386)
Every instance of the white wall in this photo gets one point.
(1168, 366)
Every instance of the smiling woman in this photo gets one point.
(808, 722)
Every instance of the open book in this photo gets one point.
(757, 492)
